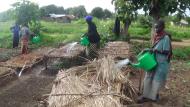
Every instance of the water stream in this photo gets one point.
(70, 47)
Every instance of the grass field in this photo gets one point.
(54, 33)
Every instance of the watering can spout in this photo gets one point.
(146, 61)
(137, 65)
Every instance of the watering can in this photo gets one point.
(146, 61)
(36, 39)
(84, 41)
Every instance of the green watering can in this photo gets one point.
(146, 61)
(84, 41)
(36, 39)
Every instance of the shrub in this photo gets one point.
(145, 21)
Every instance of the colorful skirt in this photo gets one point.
(24, 45)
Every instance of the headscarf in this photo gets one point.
(88, 18)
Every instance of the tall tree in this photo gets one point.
(107, 13)
(78, 11)
(7, 15)
(126, 11)
(51, 9)
(97, 12)
(28, 13)
(155, 8)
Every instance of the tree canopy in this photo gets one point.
(126, 10)
(78, 11)
(100, 13)
(50, 9)
(107, 13)
(97, 12)
(26, 12)
(155, 8)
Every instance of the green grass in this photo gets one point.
(179, 32)
(5, 34)
(181, 53)
(178, 53)
(54, 33)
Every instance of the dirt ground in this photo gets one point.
(28, 89)
(177, 92)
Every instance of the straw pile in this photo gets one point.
(67, 51)
(98, 84)
(115, 49)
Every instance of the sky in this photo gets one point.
(89, 4)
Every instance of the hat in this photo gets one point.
(88, 18)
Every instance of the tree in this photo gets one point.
(50, 9)
(97, 12)
(126, 11)
(78, 11)
(155, 8)
(6, 15)
(28, 13)
(107, 13)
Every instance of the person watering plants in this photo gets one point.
(25, 33)
(15, 30)
(93, 37)
(156, 78)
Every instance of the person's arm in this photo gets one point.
(165, 52)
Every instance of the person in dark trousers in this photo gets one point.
(15, 30)
(155, 80)
(94, 38)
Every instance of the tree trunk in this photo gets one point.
(155, 19)
(155, 13)
(126, 28)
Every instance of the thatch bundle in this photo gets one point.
(98, 84)
(115, 49)
(69, 50)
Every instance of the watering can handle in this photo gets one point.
(144, 51)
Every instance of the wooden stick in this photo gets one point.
(115, 94)
(91, 94)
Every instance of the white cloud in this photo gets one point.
(89, 4)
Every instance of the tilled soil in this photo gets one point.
(26, 90)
